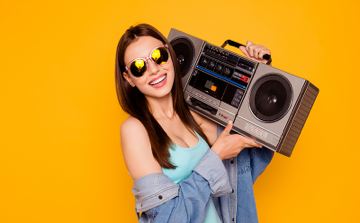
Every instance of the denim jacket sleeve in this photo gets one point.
(164, 201)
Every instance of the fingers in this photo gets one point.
(244, 140)
(263, 52)
(254, 144)
(248, 142)
(228, 127)
(244, 50)
(255, 52)
(250, 47)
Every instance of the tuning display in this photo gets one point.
(217, 88)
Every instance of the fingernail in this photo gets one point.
(230, 122)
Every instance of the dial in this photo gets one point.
(211, 64)
(204, 61)
(219, 68)
(226, 71)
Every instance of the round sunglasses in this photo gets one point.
(138, 67)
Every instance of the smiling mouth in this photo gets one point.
(159, 80)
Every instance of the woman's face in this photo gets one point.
(158, 80)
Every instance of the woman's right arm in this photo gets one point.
(136, 149)
(156, 194)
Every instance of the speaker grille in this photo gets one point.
(184, 51)
(300, 113)
(270, 97)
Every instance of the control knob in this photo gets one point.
(211, 64)
(218, 68)
(204, 61)
(226, 71)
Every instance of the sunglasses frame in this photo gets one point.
(146, 61)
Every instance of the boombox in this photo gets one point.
(266, 104)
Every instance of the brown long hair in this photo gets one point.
(134, 102)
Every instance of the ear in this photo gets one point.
(128, 79)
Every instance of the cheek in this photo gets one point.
(139, 82)
(171, 68)
(173, 73)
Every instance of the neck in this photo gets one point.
(161, 107)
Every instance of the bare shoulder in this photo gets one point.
(134, 137)
(208, 126)
(136, 149)
(132, 125)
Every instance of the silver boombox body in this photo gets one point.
(266, 104)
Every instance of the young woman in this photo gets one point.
(177, 178)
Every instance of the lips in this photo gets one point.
(158, 81)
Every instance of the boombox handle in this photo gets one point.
(237, 45)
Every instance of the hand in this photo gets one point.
(227, 145)
(255, 52)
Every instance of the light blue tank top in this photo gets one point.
(186, 159)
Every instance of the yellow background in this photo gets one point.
(60, 155)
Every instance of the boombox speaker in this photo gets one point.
(266, 104)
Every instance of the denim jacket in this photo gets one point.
(228, 182)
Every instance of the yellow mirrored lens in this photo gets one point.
(139, 64)
(160, 56)
(156, 55)
(138, 68)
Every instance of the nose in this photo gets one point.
(153, 69)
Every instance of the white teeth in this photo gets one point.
(158, 80)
